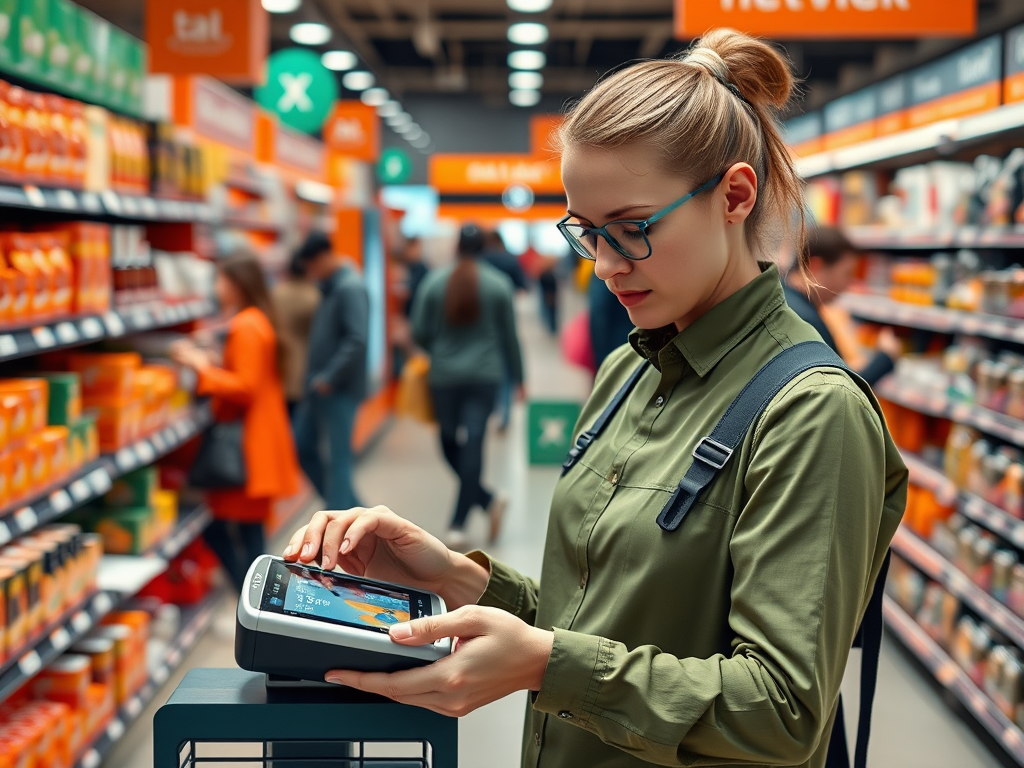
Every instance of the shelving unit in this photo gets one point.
(107, 204)
(881, 309)
(885, 239)
(951, 677)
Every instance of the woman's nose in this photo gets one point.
(610, 262)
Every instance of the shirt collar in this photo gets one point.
(712, 336)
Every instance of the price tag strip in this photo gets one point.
(91, 328)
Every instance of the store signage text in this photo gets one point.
(964, 83)
(353, 129)
(1013, 84)
(299, 151)
(220, 114)
(199, 34)
(794, 19)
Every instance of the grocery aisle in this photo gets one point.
(913, 728)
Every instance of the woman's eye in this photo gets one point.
(633, 233)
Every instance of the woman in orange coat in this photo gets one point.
(247, 386)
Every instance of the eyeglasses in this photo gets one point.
(628, 237)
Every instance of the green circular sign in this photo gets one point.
(299, 89)
(394, 167)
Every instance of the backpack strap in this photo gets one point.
(714, 451)
(586, 438)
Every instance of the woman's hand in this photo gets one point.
(186, 353)
(496, 654)
(379, 544)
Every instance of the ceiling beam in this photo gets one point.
(599, 29)
(557, 81)
(336, 11)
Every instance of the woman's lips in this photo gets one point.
(631, 298)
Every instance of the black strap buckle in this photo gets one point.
(582, 443)
(712, 453)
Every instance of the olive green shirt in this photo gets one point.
(724, 642)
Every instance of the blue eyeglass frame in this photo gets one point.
(641, 225)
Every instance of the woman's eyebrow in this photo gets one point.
(611, 215)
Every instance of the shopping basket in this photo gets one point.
(228, 718)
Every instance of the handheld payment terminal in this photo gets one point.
(299, 622)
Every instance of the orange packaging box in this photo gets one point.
(100, 710)
(24, 255)
(83, 259)
(39, 476)
(118, 422)
(37, 391)
(36, 165)
(13, 577)
(15, 418)
(55, 249)
(33, 560)
(55, 442)
(6, 646)
(124, 659)
(66, 680)
(20, 473)
(54, 581)
(5, 480)
(105, 376)
(12, 137)
(59, 117)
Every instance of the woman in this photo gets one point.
(295, 300)
(725, 641)
(246, 386)
(464, 317)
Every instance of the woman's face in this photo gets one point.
(227, 293)
(699, 256)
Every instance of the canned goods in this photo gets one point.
(1002, 574)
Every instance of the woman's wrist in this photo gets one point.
(542, 641)
(466, 582)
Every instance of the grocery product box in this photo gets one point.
(97, 33)
(29, 37)
(8, 19)
(136, 489)
(118, 422)
(35, 393)
(61, 35)
(108, 376)
(83, 440)
(117, 69)
(65, 398)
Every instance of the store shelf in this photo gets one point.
(74, 332)
(71, 628)
(188, 529)
(884, 238)
(108, 204)
(195, 622)
(253, 224)
(951, 677)
(880, 309)
(250, 186)
(936, 403)
(96, 479)
(918, 144)
(936, 567)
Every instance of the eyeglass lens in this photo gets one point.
(629, 238)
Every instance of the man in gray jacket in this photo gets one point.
(336, 374)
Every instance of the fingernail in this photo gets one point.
(289, 551)
(333, 679)
(305, 550)
(401, 631)
(346, 545)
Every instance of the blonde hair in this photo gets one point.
(704, 110)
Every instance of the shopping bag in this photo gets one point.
(414, 398)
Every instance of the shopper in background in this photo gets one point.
(723, 642)
(610, 325)
(497, 255)
(465, 320)
(825, 272)
(415, 270)
(295, 302)
(246, 385)
(336, 373)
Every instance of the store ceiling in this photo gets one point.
(460, 46)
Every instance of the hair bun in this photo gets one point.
(760, 72)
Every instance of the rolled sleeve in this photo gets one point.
(507, 589)
(572, 678)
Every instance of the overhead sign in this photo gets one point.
(226, 39)
(299, 151)
(299, 89)
(851, 119)
(543, 135)
(964, 83)
(216, 112)
(353, 129)
(892, 106)
(1013, 83)
(494, 174)
(809, 19)
(395, 166)
(803, 134)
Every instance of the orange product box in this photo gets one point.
(105, 376)
(33, 561)
(118, 422)
(101, 708)
(66, 680)
(37, 392)
(20, 474)
(12, 140)
(15, 418)
(38, 467)
(125, 659)
(54, 442)
(36, 165)
(15, 301)
(13, 576)
(59, 135)
(24, 255)
(54, 582)
(78, 144)
(83, 263)
(55, 249)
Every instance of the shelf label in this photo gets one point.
(169, 436)
(131, 205)
(145, 452)
(91, 328)
(79, 490)
(150, 208)
(60, 639)
(30, 664)
(43, 337)
(66, 199)
(92, 759)
(100, 481)
(90, 202)
(125, 459)
(5, 533)
(102, 603)
(160, 674)
(159, 443)
(133, 708)
(115, 730)
(81, 622)
(182, 430)
(111, 201)
(26, 519)
(114, 323)
(8, 345)
(60, 501)
(67, 333)
(35, 196)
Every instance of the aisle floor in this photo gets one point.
(913, 727)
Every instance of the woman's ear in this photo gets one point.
(740, 184)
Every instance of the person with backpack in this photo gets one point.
(721, 525)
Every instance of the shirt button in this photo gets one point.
(614, 478)
(536, 739)
(566, 715)
(583, 581)
(659, 402)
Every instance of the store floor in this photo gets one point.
(913, 727)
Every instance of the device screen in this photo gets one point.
(338, 598)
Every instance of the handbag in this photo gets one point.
(413, 397)
(220, 464)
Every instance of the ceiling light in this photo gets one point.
(422, 142)
(314, 192)
(389, 109)
(405, 128)
(402, 118)
(525, 81)
(358, 80)
(281, 6)
(527, 33)
(374, 97)
(414, 133)
(527, 60)
(523, 98)
(310, 33)
(529, 6)
(341, 61)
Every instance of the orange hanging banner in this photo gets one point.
(543, 135)
(353, 130)
(493, 174)
(225, 39)
(829, 19)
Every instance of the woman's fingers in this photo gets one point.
(334, 534)
(313, 538)
(295, 544)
